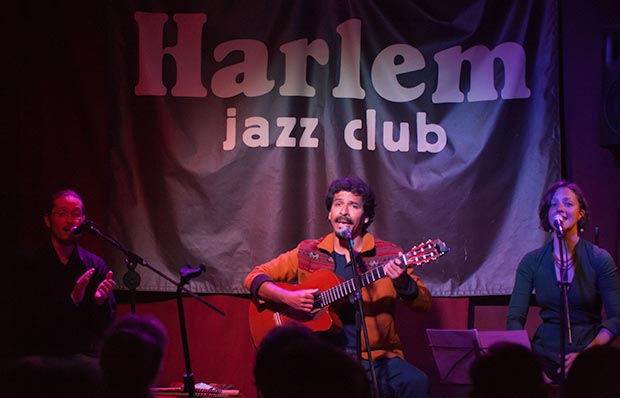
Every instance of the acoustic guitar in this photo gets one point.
(265, 316)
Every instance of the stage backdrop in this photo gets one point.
(229, 119)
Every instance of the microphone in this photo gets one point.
(77, 230)
(557, 223)
(344, 233)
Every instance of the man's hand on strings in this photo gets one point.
(301, 300)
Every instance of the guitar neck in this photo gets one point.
(347, 287)
(344, 289)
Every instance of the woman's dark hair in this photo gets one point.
(357, 186)
(545, 204)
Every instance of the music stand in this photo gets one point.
(486, 338)
(454, 350)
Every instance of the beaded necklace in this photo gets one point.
(570, 270)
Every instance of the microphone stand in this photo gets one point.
(133, 278)
(360, 320)
(187, 273)
(134, 259)
(565, 329)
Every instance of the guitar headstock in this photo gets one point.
(425, 252)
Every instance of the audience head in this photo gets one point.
(132, 353)
(507, 370)
(73, 376)
(594, 373)
(291, 361)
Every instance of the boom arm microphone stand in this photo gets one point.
(133, 258)
(132, 279)
(361, 321)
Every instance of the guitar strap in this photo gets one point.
(312, 258)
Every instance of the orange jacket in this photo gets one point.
(378, 298)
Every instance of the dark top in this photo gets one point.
(596, 285)
(45, 319)
(347, 309)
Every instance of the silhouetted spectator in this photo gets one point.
(507, 370)
(291, 361)
(131, 356)
(595, 374)
(68, 376)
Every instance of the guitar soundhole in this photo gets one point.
(318, 302)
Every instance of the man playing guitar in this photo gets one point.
(351, 208)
